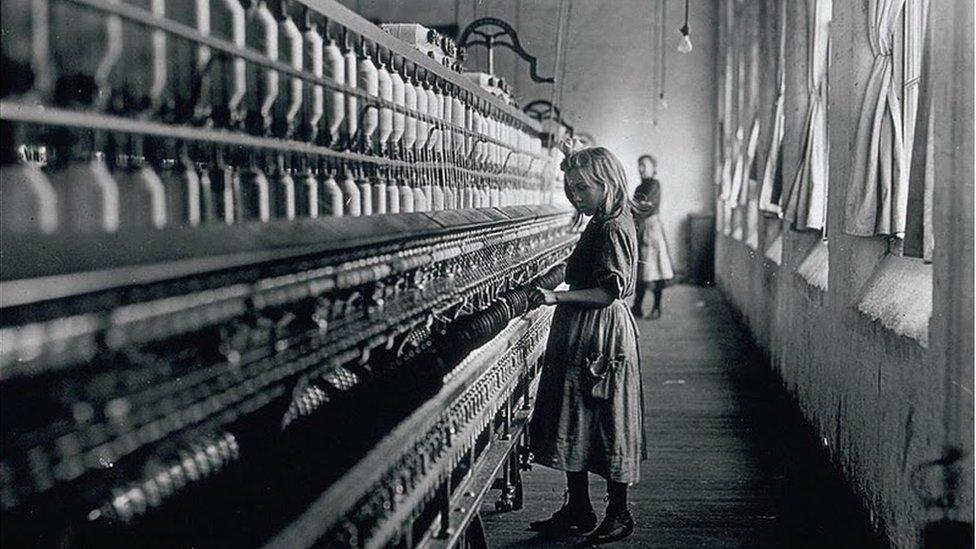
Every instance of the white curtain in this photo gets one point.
(877, 197)
(741, 32)
(725, 191)
(746, 197)
(807, 205)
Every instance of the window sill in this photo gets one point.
(815, 267)
(898, 296)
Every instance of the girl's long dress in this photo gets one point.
(594, 351)
(655, 259)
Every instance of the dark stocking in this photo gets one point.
(579, 489)
(658, 290)
(618, 496)
(639, 291)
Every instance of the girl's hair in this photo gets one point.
(599, 166)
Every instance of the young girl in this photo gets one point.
(655, 261)
(589, 409)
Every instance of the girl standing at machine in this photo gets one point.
(655, 262)
(589, 410)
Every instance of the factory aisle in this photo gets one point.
(731, 463)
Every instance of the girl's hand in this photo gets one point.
(542, 296)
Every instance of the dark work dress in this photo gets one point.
(589, 411)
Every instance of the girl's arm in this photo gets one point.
(648, 202)
(609, 263)
(595, 298)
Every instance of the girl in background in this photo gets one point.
(655, 261)
(589, 411)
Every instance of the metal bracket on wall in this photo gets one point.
(483, 32)
(543, 109)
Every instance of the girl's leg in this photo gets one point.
(639, 291)
(618, 523)
(576, 516)
(618, 496)
(579, 490)
(658, 291)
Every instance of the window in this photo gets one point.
(806, 208)
(738, 199)
(771, 188)
(919, 238)
(888, 187)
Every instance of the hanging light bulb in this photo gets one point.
(684, 45)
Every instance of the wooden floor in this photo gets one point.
(731, 463)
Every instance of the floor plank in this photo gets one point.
(731, 463)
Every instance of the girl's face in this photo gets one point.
(585, 197)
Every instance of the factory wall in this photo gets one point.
(876, 348)
(609, 83)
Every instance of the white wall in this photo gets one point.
(609, 83)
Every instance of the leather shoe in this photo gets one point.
(566, 521)
(616, 526)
